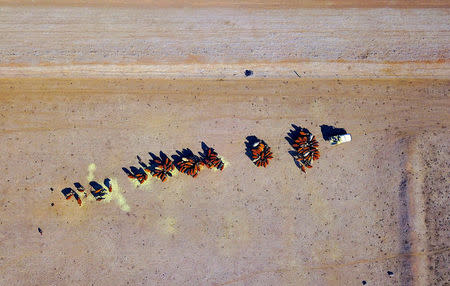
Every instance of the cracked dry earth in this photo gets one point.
(376, 204)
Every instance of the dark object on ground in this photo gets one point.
(248, 72)
(390, 273)
(330, 131)
(258, 151)
(69, 192)
(160, 167)
(305, 145)
(251, 140)
(294, 133)
(210, 157)
(135, 173)
(40, 230)
(107, 183)
(188, 163)
(79, 187)
(98, 190)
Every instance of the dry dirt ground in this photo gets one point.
(375, 205)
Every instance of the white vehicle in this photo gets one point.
(338, 139)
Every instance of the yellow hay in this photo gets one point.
(144, 186)
(117, 196)
(91, 170)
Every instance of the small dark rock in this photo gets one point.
(40, 230)
(390, 273)
(364, 282)
(248, 72)
(52, 204)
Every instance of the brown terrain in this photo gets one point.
(85, 88)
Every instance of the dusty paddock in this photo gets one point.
(377, 204)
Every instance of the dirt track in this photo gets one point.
(377, 204)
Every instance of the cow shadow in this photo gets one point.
(205, 149)
(251, 141)
(294, 155)
(152, 164)
(294, 133)
(185, 153)
(133, 171)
